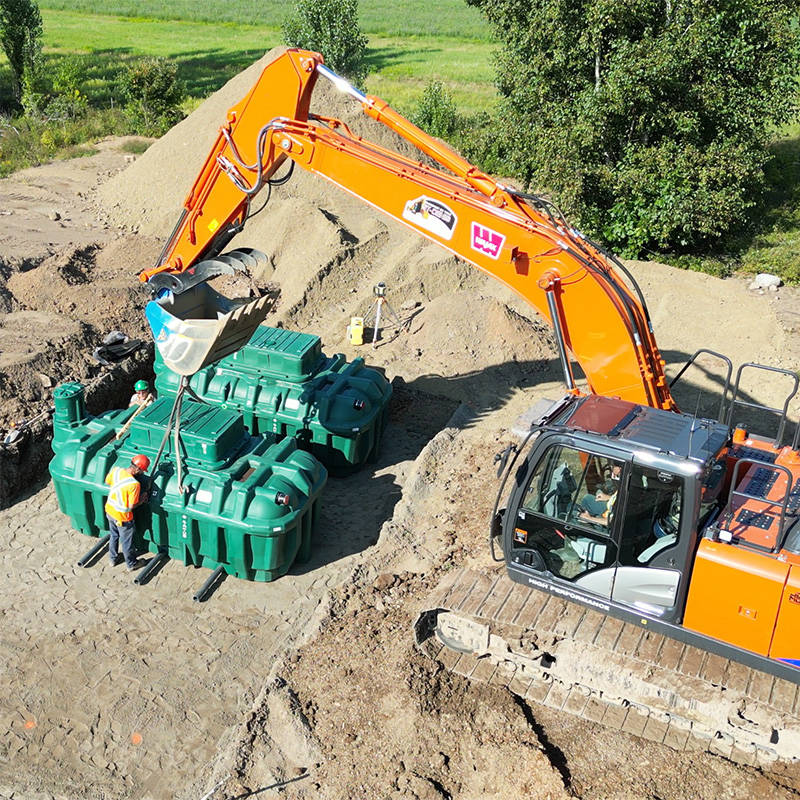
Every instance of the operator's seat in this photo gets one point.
(557, 497)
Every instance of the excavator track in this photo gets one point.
(563, 655)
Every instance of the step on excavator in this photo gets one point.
(652, 579)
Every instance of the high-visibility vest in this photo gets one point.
(124, 494)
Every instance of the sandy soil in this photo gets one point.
(309, 686)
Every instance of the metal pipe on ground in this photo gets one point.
(87, 559)
(207, 589)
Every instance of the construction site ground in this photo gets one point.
(308, 687)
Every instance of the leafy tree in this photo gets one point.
(153, 95)
(330, 27)
(649, 120)
(68, 101)
(436, 111)
(21, 40)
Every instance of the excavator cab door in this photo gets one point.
(600, 522)
(561, 516)
(651, 544)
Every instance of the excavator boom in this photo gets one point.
(599, 317)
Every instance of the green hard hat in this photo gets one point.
(141, 386)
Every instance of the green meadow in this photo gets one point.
(409, 44)
(446, 18)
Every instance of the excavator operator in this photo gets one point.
(597, 508)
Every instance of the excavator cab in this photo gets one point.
(603, 510)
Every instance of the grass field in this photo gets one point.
(388, 18)
(208, 55)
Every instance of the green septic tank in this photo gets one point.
(250, 503)
(283, 384)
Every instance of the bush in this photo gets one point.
(330, 27)
(153, 95)
(30, 141)
(67, 102)
(649, 122)
(436, 112)
(21, 40)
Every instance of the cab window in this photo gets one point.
(568, 511)
(652, 515)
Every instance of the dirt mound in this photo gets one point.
(460, 332)
(394, 728)
(97, 287)
(58, 312)
(311, 230)
(148, 195)
(24, 335)
(64, 308)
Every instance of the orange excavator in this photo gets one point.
(654, 556)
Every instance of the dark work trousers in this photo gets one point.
(121, 532)
(594, 506)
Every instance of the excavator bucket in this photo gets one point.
(199, 326)
(193, 325)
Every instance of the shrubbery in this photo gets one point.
(21, 40)
(436, 112)
(648, 122)
(153, 96)
(330, 27)
(30, 141)
(60, 119)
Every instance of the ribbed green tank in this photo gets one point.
(282, 383)
(249, 504)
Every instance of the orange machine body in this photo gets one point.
(745, 587)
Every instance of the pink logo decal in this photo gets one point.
(486, 241)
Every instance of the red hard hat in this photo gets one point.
(143, 462)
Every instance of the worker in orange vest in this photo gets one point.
(125, 494)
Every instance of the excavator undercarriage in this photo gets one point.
(578, 660)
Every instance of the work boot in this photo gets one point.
(138, 564)
(115, 562)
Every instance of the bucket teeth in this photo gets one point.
(199, 327)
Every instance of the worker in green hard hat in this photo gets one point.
(142, 394)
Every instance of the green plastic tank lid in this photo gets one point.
(291, 353)
(209, 434)
(65, 391)
(68, 399)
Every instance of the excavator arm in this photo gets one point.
(521, 240)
